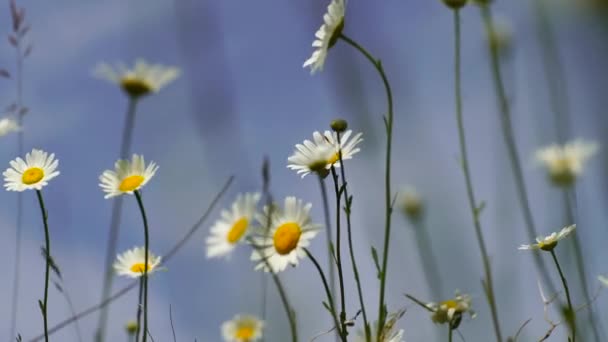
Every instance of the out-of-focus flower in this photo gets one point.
(322, 153)
(603, 280)
(242, 328)
(142, 79)
(132, 263)
(291, 230)
(388, 333)
(127, 176)
(548, 243)
(233, 226)
(34, 172)
(451, 311)
(7, 126)
(500, 35)
(565, 163)
(327, 35)
(411, 203)
(131, 327)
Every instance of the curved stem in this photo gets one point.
(347, 209)
(388, 121)
(47, 239)
(125, 147)
(572, 314)
(339, 252)
(469, 184)
(146, 246)
(330, 257)
(329, 295)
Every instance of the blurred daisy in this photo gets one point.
(127, 176)
(132, 263)
(233, 226)
(565, 163)
(603, 280)
(142, 79)
(7, 126)
(34, 173)
(548, 243)
(322, 153)
(411, 203)
(327, 35)
(500, 35)
(388, 334)
(242, 328)
(451, 310)
(291, 230)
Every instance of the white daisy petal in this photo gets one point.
(128, 176)
(548, 243)
(132, 263)
(327, 34)
(32, 174)
(141, 80)
(242, 328)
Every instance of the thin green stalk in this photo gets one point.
(427, 257)
(388, 121)
(469, 184)
(330, 299)
(509, 137)
(572, 313)
(47, 238)
(450, 331)
(339, 252)
(328, 232)
(291, 315)
(139, 307)
(347, 209)
(145, 276)
(125, 147)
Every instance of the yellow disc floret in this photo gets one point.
(135, 87)
(286, 237)
(138, 267)
(244, 333)
(131, 183)
(32, 175)
(238, 230)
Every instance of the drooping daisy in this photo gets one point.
(242, 328)
(132, 263)
(548, 243)
(565, 163)
(451, 310)
(327, 35)
(142, 79)
(7, 126)
(34, 173)
(321, 153)
(291, 230)
(229, 230)
(127, 176)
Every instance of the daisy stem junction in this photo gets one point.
(571, 315)
(140, 203)
(43, 305)
(388, 122)
(125, 147)
(339, 252)
(347, 209)
(331, 304)
(330, 257)
(489, 287)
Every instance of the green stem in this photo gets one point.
(139, 307)
(47, 239)
(145, 276)
(339, 253)
(330, 257)
(125, 147)
(509, 137)
(347, 209)
(468, 181)
(450, 332)
(571, 314)
(388, 121)
(330, 299)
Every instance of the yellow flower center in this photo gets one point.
(138, 267)
(131, 183)
(561, 172)
(450, 304)
(547, 245)
(244, 333)
(333, 159)
(238, 229)
(135, 87)
(32, 175)
(286, 237)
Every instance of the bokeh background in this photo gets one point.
(242, 96)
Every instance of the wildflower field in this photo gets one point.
(328, 170)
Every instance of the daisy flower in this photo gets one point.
(291, 230)
(451, 310)
(34, 173)
(548, 243)
(388, 334)
(127, 176)
(411, 203)
(7, 126)
(132, 263)
(242, 328)
(327, 35)
(232, 227)
(321, 154)
(142, 79)
(565, 163)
